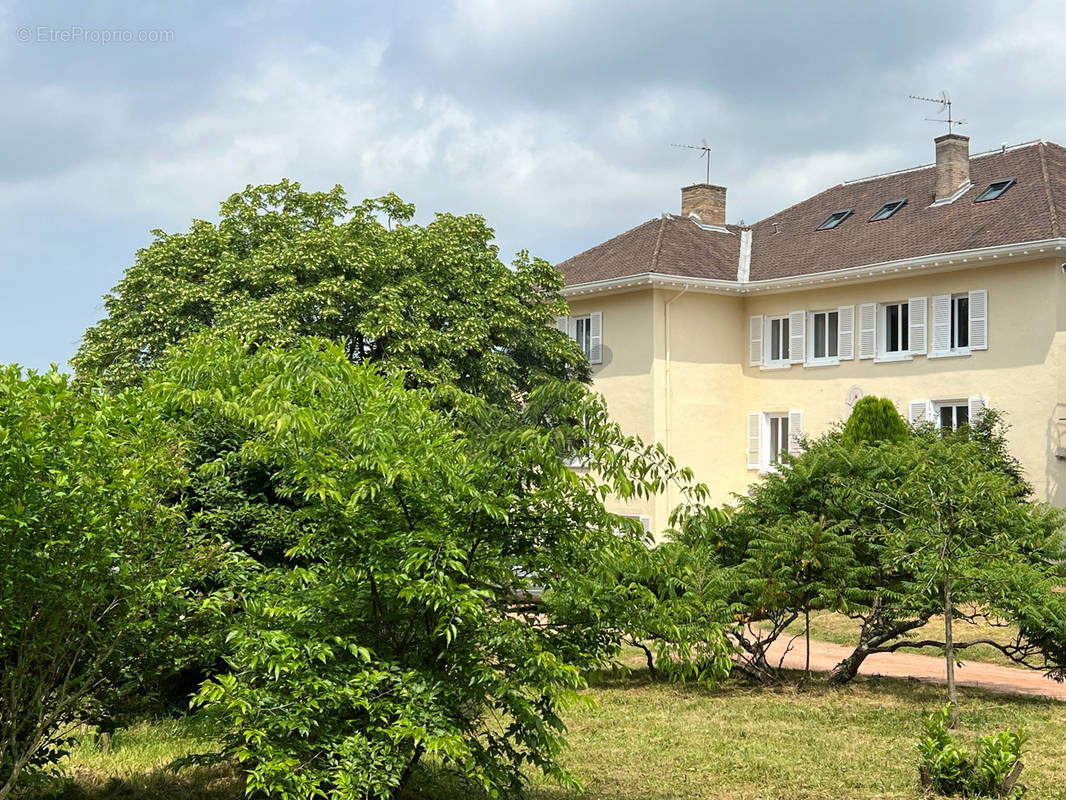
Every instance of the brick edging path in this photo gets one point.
(901, 664)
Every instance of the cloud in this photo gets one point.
(553, 119)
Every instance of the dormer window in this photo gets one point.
(835, 219)
(994, 190)
(887, 210)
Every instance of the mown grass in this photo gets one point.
(829, 626)
(651, 740)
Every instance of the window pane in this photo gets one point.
(784, 339)
(962, 308)
(775, 339)
(784, 434)
(834, 336)
(962, 415)
(946, 420)
(819, 335)
(904, 327)
(892, 328)
(773, 439)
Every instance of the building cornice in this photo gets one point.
(927, 264)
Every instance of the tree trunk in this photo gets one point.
(949, 652)
(807, 636)
(849, 667)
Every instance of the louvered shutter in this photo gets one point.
(916, 337)
(921, 411)
(797, 336)
(795, 432)
(979, 319)
(941, 325)
(596, 337)
(755, 327)
(754, 440)
(978, 406)
(868, 330)
(563, 324)
(846, 333)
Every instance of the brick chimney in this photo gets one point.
(704, 200)
(952, 164)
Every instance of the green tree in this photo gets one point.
(432, 300)
(875, 419)
(95, 567)
(393, 618)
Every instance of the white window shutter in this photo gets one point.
(941, 325)
(921, 411)
(916, 315)
(596, 337)
(754, 440)
(563, 324)
(978, 406)
(797, 336)
(755, 340)
(846, 333)
(795, 432)
(868, 330)
(979, 319)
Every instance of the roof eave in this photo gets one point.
(936, 262)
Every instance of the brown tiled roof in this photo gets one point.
(1033, 209)
(669, 246)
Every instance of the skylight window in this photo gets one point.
(995, 190)
(835, 219)
(887, 210)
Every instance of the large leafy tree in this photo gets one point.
(281, 263)
(394, 620)
(95, 567)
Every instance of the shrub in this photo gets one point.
(947, 770)
(873, 420)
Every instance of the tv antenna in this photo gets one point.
(705, 152)
(944, 101)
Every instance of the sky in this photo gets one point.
(554, 120)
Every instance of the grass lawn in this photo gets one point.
(829, 626)
(653, 740)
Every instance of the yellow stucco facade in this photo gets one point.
(676, 367)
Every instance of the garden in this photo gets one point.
(302, 524)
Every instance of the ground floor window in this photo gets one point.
(952, 414)
(778, 436)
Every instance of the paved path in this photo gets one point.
(901, 664)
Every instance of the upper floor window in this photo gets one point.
(895, 329)
(587, 331)
(777, 341)
(887, 210)
(960, 321)
(825, 335)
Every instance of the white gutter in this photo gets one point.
(936, 262)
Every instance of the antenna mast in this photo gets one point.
(705, 152)
(944, 101)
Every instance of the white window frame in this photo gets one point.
(593, 348)
(883, 353)
(940, 405)
(784, 361)
(761, 426)
(812, 341)
(946, 342)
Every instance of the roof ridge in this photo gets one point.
(658, 244)
(993, 152)
(1047, 189)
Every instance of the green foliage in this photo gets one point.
(95, 567)
(872, 529)
(399, 537)
(946, 769)
(434, 300)
(873, 420)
